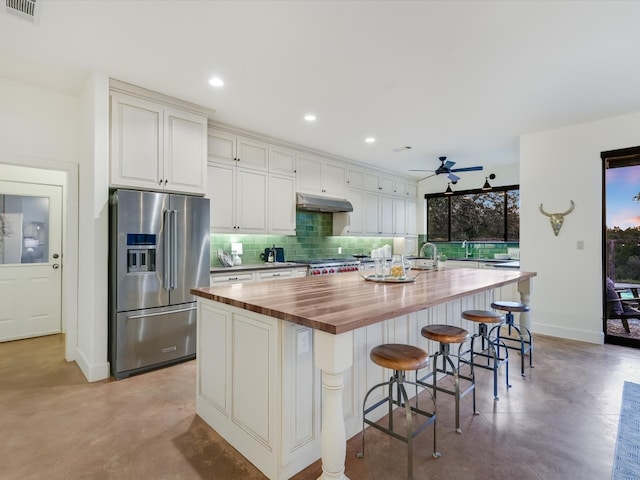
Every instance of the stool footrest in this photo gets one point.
(522, 343)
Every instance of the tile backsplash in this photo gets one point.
(314, 239)
(474, 249)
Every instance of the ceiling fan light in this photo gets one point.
(448, 191)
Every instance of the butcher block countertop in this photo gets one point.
(344, 302)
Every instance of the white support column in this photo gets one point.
(524, 287)
(333, 355)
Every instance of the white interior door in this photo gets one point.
(30, 260)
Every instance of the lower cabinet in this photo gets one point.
(280, 274)
(245, 276)
(220, 278)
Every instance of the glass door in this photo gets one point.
(621, 247)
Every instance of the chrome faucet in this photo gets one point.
(435, 252)
(466, 246)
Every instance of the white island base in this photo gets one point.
(260, 386)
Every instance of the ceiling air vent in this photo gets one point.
(23, 8)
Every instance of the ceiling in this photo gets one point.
(458, 78)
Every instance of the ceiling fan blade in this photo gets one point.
(424, 178)
(448, 164)
(466, 169)
(453, 178)
(422, 170)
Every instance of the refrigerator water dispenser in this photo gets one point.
(141, 253)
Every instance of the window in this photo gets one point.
(475, 215)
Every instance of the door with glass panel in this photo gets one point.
(30, 260)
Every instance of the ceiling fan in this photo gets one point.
(445, 167)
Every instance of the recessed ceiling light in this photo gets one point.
(369, 139)
(216, 82)
(310, 117)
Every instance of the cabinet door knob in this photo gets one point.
(160, 182)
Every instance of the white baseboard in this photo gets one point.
(93, 372)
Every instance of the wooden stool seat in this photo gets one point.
(445, 333)
(396, 356)
(490, 348)
(509, 306)
(482, 316)
(400, 358)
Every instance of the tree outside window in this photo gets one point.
(475, 215)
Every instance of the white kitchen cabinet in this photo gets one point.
(156, 146)
(355, 178)
(300, 272)
(238, 199)
(282, 160)
(276, 274)
(399, 216)
(282, 205)
(399, 187)
(236, 277)
(351, 223)
(374, 182)
(245, 276)
(225, 147)
(378, 214)
(319, 177)
(405, 188)
(411, 216)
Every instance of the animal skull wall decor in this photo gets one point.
(557, 219)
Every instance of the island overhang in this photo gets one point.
(345, 302)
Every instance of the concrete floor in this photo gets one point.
(558, 422)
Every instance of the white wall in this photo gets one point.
(557, 166)
(94, 230)
(52, 130)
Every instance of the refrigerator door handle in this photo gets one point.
(174, 249)
(134, 317)
(166, 234)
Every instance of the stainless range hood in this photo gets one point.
(316, 203)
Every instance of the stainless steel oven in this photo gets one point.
(331, 266)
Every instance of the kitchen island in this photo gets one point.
(275, 359)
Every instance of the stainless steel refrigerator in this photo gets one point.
(158, 251)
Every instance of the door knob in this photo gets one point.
(55, 266)
(55, 255)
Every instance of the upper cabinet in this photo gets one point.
(156, 146)
(238, 199)
(374, 182)
(320, 177)
(355, 178)
(251, 185)
(235, 149)
(282, 160)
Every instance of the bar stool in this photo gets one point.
(400, 358)
(490, 348)
(445, 335)
(524, 344)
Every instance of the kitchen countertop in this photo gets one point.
(257, 266)
(510, 264)
(463, 259)
(345, 302)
